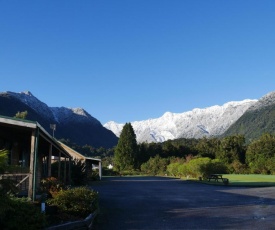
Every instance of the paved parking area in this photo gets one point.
(167, 203)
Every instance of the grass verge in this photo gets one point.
(245, 180)
(252, 180)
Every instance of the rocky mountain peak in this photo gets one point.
(74, 124)
(197, 123)
(57, 114)
(266, 100)
(29, 99)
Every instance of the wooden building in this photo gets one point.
(31, 149)
(91, 163)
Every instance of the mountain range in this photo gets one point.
(74, 124)
(248, 117)
(258, 119)
(236, 117)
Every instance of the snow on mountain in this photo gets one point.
(30, 100)
(66, 115)
(74, 124)
(266, 100)
(114, 127)
(211, 121)
(56, 114)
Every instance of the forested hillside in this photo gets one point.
(257, 120)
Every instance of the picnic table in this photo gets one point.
(217, 177)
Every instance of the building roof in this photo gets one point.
(76, 154)
(32, 125)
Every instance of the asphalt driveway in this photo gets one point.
(167, 203)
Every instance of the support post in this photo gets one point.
(50, 160)
(59, 166)
(100, 169)
(65, 170)
(33, 162)
(70, 170)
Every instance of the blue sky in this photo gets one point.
(129, 60)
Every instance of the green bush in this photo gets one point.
(132, 172)
(51, 186)
(213, 167)
(8, 186)
(19, 213)
(93, 175)
(238, 168)
(80, 201)
(173, 169)
(197, 167)
(3, 160)
(183, 170)
(78, 172)
(109, 172)
(4, 207)
(155, 166)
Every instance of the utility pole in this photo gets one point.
(53, 127)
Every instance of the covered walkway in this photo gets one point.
(31, 149)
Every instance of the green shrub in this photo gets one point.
(93, 175)
(80, 201)
(173, 169)
(51, 186)
(8, 186)
(213, 167)
(109, 172)
(4, 207)
(78, 172)
(196, 166)
(238, 168)
(183, 170)
(129, 172)
(19, 213)
(155, 166)
(3, 160)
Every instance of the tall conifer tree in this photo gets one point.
(126, 149)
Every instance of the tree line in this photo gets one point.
(230, 154)
(233, 154)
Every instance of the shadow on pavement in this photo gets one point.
(169, 203)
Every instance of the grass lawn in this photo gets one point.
(251, 180)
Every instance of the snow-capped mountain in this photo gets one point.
(30, 100)
(265, 101)
(211, 121)
(57, 114)
(258, 119)
(74, 124)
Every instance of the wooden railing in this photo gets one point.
(20, 178)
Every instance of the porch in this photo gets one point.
(30, 149)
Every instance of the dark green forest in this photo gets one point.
(253, 123)
(231, 154)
